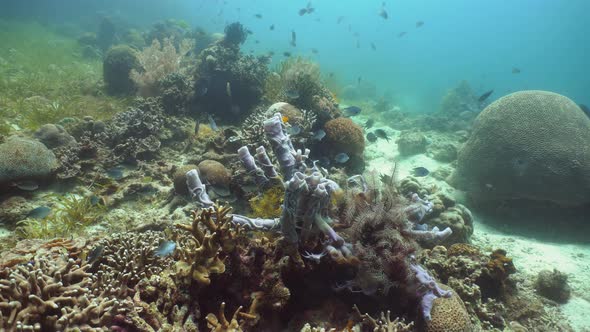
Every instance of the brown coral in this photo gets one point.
(221, 324)
(449, 315)
(345, 136)
(214, 173)
(212, 234)
(179, 178)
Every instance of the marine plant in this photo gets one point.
(235, 34)
(71, 215)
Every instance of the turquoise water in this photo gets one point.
(477, 41)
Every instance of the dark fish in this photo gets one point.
(95, 200)
(341, 158)
(358, 43)
(272, 27)
(302, 11)
(515, 70)
(373, 47)
(351, 111)
(294, 130)
(314, 51)
(94, 254)
(27, 185)
(292, 94)
(257, 41)
(419, 24)
(369, 123)
(358, 80)
(39, 212)
(371, 137)
(309, 8)
(271, 53)
(293, 39)
(165, 248)
(485, 96)
(383, 13)
(420, 171)
(585, 109)
(287, 54)
(401, 34)
(318, 135)
(258, 16)
(115, 173)
(339, 20)
(331, 74)
(382, 134)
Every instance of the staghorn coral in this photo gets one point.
(384, 324)
(53, 295)
(125, 260)
(212, 234)
(158, 61)
(220, 323)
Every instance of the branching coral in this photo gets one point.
(221, 324)
(385, 324)
(52, 295)
(157, 61)
(212, 234)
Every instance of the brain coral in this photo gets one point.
(214, 173)
(528, 145)
(449, 315)
(345, 136)
(22, 158)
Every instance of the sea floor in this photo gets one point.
(529, 253)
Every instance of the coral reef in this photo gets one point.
(25, 159)
(459, 99)
(553, 285)
(118, 63)
(449, 314)
(214, 173)
(343, 135)
(179, 178)
(521, 138)
(54, 136)
(411, 143)
(228, 82)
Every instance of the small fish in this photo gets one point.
(339, 20)
(258, 16)
(115, 173)
(420, 171)
(257, 41)
(515, 70)
(371, 137)
(294, 130)
(26, 185)
(212, 123)
(358, 80)
(96, 200)
(293, 39)
(419, 24)
(387, 179)
(39, 212)
(485, 96)
(351, 111)
(369, 123)
(165, 248)
(271, 53)
(292, 94)
(287, 54)
(401, 34)
(302, 11)
(95, 254)
(319, 135)
(373, 47)
(383, 13)
(341, 158)
(585, 109)
(272, 27)
(382, 134)
(314, 51)
(228, 89)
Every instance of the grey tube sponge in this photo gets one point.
(428, 289)
(197, 189)
(281, 145)
(251, 167)
(264, 161)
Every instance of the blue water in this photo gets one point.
(479, 41)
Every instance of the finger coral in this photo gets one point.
(212, 234)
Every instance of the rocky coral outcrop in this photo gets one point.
(54, 136)
(553, 285)
(343, 135)
(411, 143)
(117, 65)
(527, 145)
(24, 159)
(214, 173)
